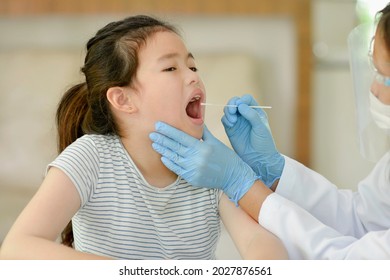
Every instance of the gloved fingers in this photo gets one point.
(174, 161)
(165, 152)
(207, 135)
(230, 117)
(256, 117)
(163, 143)
(211, 141)
(171, 165)
(176, 134)
(230, 112)
(231, 109)
(227, 123)
(247, 99)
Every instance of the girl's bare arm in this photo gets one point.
(252, 240)
(35, 231)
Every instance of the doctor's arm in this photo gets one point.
(305, 237)
(34, 233)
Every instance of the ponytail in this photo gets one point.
(69, 118)
(70, 115)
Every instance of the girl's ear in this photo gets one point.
(120, 99)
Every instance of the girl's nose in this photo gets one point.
(192, 77)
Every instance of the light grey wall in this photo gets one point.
(335, 152)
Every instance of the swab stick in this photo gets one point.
(221, 105)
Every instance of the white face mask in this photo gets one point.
(380, 112)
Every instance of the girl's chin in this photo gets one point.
(194, 130)
(198, 133)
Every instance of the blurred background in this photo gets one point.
(290, 54)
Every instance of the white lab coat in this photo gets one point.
(316, 220)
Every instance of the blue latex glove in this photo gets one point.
(203, 163)
(250, 135)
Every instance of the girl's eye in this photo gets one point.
(194, 69)
(170, 69)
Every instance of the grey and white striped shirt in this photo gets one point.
(122, 216)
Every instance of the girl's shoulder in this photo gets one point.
(99, 140)
(100, 137)
(95, 145)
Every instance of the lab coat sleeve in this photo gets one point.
(305, 237)
(322, 199)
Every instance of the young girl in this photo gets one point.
(123, 202)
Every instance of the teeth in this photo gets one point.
(195, 98)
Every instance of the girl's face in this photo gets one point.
(381, 61)
(167, 85)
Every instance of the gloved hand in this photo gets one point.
(250, 135)
(203, 163)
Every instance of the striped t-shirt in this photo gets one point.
(124, 217)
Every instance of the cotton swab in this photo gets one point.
(221, 105)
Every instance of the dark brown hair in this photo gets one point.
(111, 60)
(384, 24)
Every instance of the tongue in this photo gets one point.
(193, 110)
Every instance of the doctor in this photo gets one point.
(313, 218)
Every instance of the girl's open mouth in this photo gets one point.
(194, 108)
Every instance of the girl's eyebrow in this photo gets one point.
(173, 55)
